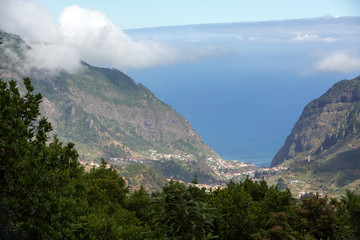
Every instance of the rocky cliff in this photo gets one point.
(103, 111)
(328, 126)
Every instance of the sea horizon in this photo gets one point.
(246, 93)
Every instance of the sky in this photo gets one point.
(93, 31)
(155, 13)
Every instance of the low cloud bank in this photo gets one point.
(311, 37)
(345, 61)
(84, 34)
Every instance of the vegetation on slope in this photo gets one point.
(323, 148)
(103, 111)
(327, 125)
(139, 175)
(45, 194)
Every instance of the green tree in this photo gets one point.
(277, 227)
(108, 216)
(105, 185)
(194, 181)
(41, 185)
(182, 215)
(352, 213)
(139, 202)
(235, 212)
(318, 217)
(249, 210)
(281, 184)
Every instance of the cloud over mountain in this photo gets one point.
(83, 34)
(100, 41)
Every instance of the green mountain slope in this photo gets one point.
(103, 111)
(323, 148)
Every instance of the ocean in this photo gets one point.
(243, 115)
(243, 86)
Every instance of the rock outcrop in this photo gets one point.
(328, 125)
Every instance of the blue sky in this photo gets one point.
(94, 31)
(145, 13)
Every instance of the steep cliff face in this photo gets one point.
(328, 125)
(103, 110)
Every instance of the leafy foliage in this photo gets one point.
(184, 215)
(244, 209)
(281, 184)
(45, 194)
(318, 218)
(38, 181)
(352, 213)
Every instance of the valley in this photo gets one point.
(108, 115)
(180, 120)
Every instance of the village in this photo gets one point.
(224, 170)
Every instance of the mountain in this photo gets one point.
(103, 111)
(325, 142)
(327, 124)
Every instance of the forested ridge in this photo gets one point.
(46, 194)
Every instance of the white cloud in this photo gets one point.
(27, 19)
(53, 57)
(339, 61)
(311, 37)
(101, 42)
(84, 34)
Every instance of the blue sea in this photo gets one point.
(244, 115)
(245, 99)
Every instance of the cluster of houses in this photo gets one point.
(228, 169)
(93, 164)
(155, 156)
(127, 160)
(208, 187)
(276, 169)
